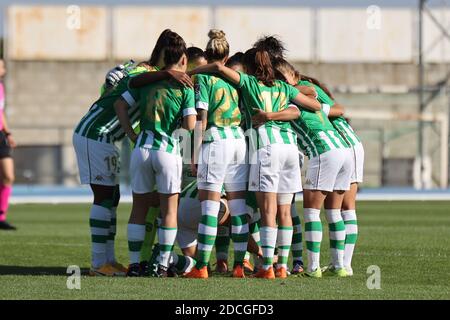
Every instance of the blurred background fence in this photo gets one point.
(57, 57)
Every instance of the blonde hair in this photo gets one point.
(217, 47)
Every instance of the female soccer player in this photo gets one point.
(196, 57)
(328, 174)
(275, 176)
(7, 143)
(348, 211)
(223, 159)
(156, 159)
(98, 162)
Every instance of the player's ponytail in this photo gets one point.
(175, 49)
(264, 69)
(161, 43)
(217, 47)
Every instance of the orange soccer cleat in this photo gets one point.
(265, 274)
(238, 271)
(195, 273)
(248, 267)
(281, 273)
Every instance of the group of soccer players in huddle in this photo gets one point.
(218, 150)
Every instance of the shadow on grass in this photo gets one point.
(36, 271)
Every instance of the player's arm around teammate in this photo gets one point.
(223, 159)
(156, 160)
(348, 210)
(277, 160)
(328, 174)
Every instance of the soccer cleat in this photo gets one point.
(6, 226)
(297, 267)
(134, 270)
(324, 269)
(336, 272)
(222, 266)
(159, 271)
(238, 271)
(121, 269)
(248, 267)
(313, 274)
(349, 271)
(195, 273)
(264, 274)
(104, 271)
(145, 269)
(172, 272)
(281, 273)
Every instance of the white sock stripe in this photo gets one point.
(348, 215)
(337, 235)
(351, 229)
(210, 208)
(99, 231)
(333, 215)
(207, 230)
(284, 237)
(312, 215)
(314, 236)
(167, 236)
(205, 247)
(283, 252)
(100, 213)
(240, 229)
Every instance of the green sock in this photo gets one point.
(150, 234)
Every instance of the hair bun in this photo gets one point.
(216, 34)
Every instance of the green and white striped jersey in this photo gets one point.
(345, 130)
(269, 99)
(341, 125)
(221, 100)
(101, 123)
(316, 134)
(163, 105)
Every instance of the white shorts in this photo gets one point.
(329, 171)
(150, 168)
(223, 163)
(277, 169)
(98, 162)
(189, 217)
(357, 155)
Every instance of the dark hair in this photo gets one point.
(281, 67)
(217, 47)
(161, 43)
(175, 49)
(235, 59)
(194, 53)
(273, 45)
(317, 83)
(258, 63)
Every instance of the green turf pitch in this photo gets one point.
(409, 241)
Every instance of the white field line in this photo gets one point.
(128, 199)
